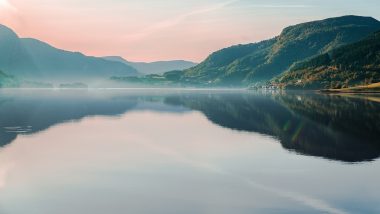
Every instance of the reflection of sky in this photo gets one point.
(146, 30)
(150, 162)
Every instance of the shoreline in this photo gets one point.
(338, 91)
(364, 89)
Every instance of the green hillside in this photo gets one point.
(247, 64)
(347, 66)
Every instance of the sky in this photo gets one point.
(153, 30)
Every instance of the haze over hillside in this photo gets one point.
(236, 66)
(35, 60)
(158, 67)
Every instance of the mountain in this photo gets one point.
(7, 80)
(253, 63)
(13, 55)
(36, 60)
(57, 63)
(159, 67)
(347, 66)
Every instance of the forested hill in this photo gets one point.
(252, 63)
(347, 66)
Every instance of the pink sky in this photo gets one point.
(150, 30)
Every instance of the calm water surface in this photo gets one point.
(188, 152)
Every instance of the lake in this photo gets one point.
(188, 151)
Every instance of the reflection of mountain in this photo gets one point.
(24, 114)
(348, 129)
(331, 127)
(29, 113)
(337, 128)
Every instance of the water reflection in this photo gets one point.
(334, 127)
(137, 164)
(168, 152)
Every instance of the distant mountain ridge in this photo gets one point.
(158, 67)
(254, 63)
(346, 66)
(33, 59)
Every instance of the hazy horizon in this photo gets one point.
(148, 30)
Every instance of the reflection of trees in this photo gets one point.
(359, 117)
(308, 124)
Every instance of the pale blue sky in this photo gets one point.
(147, 30)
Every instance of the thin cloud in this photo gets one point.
(7, 6)
(281, 6)
(177, 20)
(4, 172)
(312, 202)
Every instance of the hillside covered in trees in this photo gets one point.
(347, 66)
(248, 64)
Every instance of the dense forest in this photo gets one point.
(347, 66)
